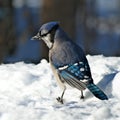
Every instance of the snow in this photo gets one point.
(29, 91)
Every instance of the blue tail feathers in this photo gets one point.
(97, 92)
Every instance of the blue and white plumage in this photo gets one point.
(67, 60)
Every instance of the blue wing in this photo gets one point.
(76, 75)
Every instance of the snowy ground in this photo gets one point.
(28, 92)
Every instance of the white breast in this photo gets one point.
(60, 83)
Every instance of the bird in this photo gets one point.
(68, 61)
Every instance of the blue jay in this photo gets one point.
(68, 61)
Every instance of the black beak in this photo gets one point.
(36, 37)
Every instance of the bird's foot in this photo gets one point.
(59, 99)
(82, 97)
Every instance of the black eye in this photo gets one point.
(51, 31)
(42, 33)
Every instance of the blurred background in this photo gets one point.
(93, 24)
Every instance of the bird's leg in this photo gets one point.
(60, 99)
(82, 96)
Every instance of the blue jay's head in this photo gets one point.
(47, 33)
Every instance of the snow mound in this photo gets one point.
(28, 92)
(115, 85)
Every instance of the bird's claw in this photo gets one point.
(82, 97)
(59, 99)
